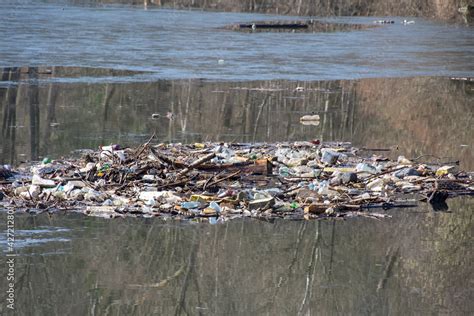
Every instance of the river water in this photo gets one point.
(76, 77)
(188, 44)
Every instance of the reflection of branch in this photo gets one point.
(162, 283)
(311, 267)
(298, 241)
(390, 261)
(184, 116)
(258, 116)
(33, 94)
(9, 117)
(333, 233)
(105, 105)
(299, 238)
(331, 261)
(325, 118)
(50, 114)
(198, 292)
(192, 256)
(144, 248)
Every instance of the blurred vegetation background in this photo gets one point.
(442, 9)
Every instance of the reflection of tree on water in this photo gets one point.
(108, 93)
(429, 116)
(50, 113)
(14, 102)
(9, 115)
(34, 115)
(417, 261)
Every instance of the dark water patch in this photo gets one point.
(11, 76)
(410, 116)
(64, 72)
(417, 261)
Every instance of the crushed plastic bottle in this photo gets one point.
(107, 202)
(89, 166)
(224, 152)
(261, 195)
(365, 167)
(94, 196)
(325, 190)
(445, 170)
(190, 205)
(314, 186)
(376, 185)
(45, 183)
(215, 207)
(285, 172)
(68, 187)
(343, 178)
(406, 172)
(329, 157)
(261, 203)
(404, 161)
(34, 191)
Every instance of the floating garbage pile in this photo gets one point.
(218, 181)
(310, 26)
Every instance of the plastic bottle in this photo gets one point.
(215, 206)
(190, 205)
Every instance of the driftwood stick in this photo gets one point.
(223, 179)
(176, 183)
(385, 172)
(196, 163)
(167, 160)
(142, 147)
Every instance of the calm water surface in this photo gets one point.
(412, 116)
(188, 44)
(105, 71)
(418, 262)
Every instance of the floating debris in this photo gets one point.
(384, 22)
(169, 116)
(222, 181)
(310, 26)
(469, 79)
(310, 120)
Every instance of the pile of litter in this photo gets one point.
(218, 181)
(311, 26)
